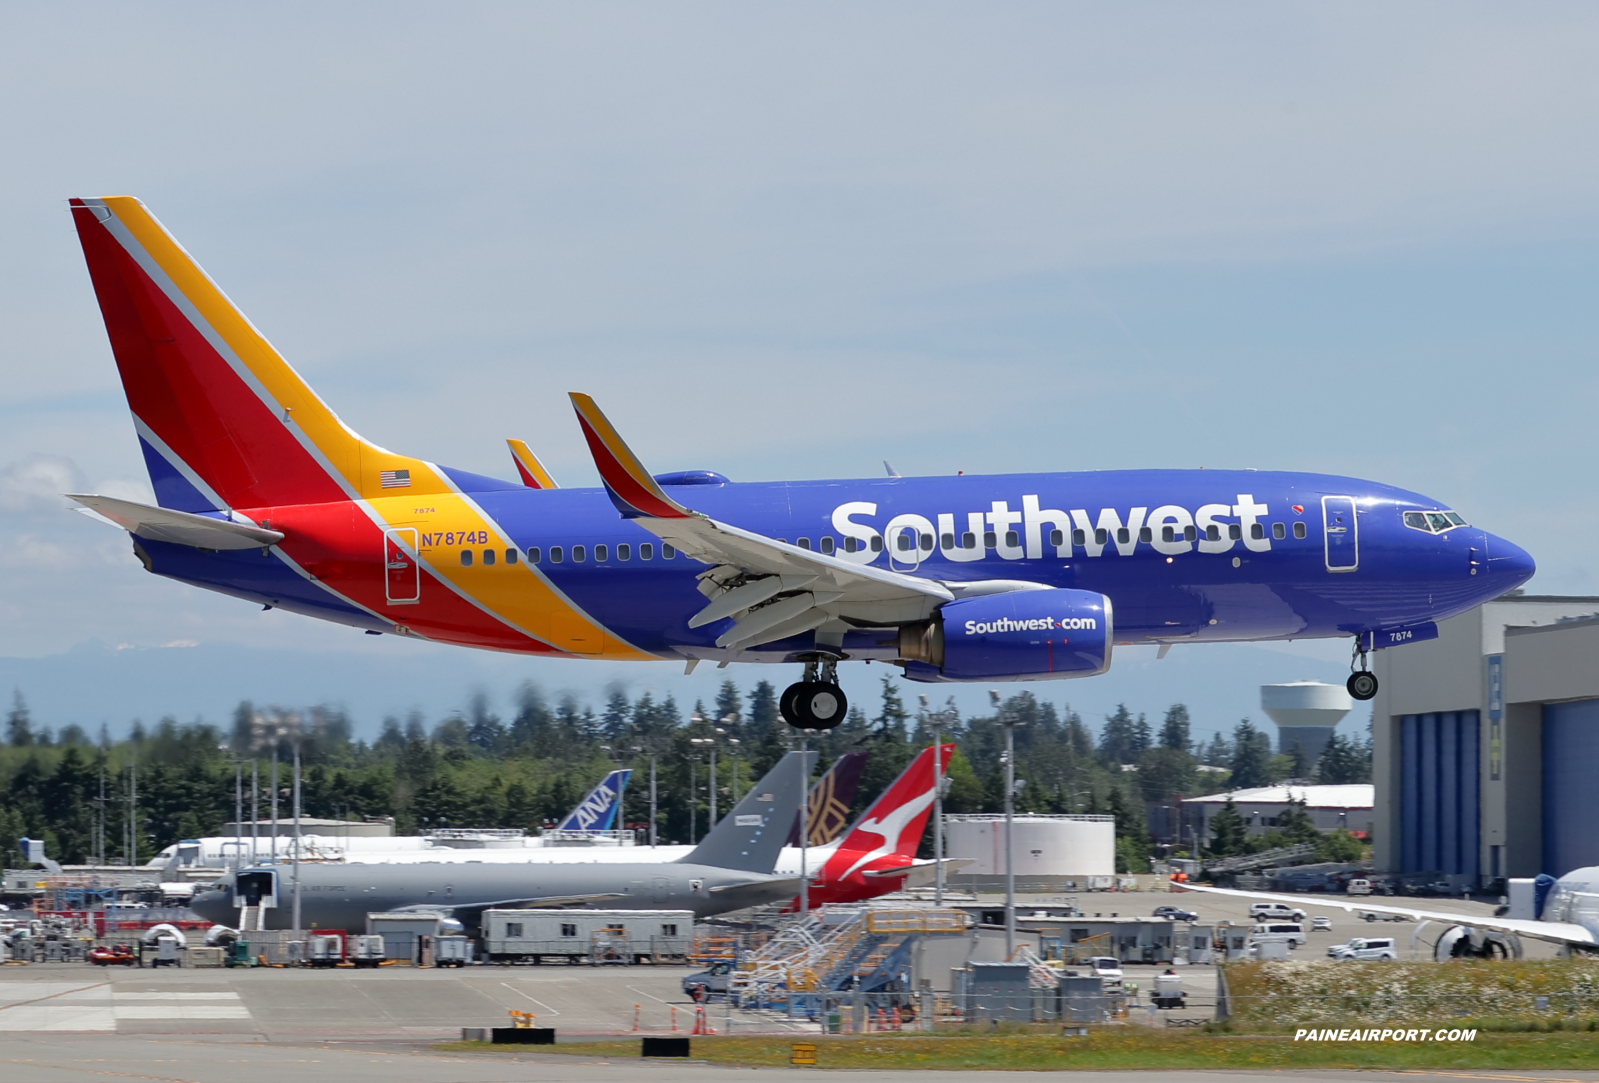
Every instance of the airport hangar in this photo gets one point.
(1486, 745)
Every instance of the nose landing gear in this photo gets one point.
(817, 702)
(1362, 683)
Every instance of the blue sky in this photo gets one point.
(792, 243)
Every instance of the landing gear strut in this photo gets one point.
(817, 702)
(1362, 683)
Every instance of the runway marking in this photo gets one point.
(549, 1010)
(652, 996)
(51, 996)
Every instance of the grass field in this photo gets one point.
(1110, 1047)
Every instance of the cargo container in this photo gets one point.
(596, 937)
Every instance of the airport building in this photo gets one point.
(1486, 745)
(1331, 808)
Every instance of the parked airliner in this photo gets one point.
(264, 494)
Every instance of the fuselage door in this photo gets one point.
(1342, 532)
(402, 578)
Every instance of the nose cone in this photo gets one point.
(1509, 565)
(214, 906)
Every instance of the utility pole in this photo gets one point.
(1008, 719)
(255, 807)
(805, 823)
(936, 721)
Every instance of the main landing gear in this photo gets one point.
(817, 702)
(1362, 683)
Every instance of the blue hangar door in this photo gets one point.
(1439, 806)
(1570, 798)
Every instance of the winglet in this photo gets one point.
(632, 490)
(534, 476)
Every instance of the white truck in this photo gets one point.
(1365, 949)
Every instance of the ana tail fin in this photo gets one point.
(597, 811)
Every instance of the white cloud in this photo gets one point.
(36, 483)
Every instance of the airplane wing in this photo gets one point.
(773, 590)
(920, 873)
(180, 527)
(552, 901)
(1553, 931)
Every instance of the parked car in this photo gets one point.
(1373, 916)
(1359, 887)
(1363, 949)
(1320, 922)
(1275, 911)
(1175, 913)
(1108, 970)
(700, 986)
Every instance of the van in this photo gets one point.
(1359, 887)
(1291, 931)
(1365, 949)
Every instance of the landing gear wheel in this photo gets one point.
(813, 705)
(1362, 685)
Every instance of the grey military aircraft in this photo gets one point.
(730, 870)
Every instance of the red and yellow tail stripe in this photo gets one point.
(532, 472)
(633, 491)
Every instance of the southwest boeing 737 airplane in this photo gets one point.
(264, 494)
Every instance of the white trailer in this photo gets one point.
(596, 937)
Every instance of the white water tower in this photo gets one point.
(1306, 712)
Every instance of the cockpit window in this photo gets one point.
(1433, 522)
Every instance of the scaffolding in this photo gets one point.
(837, 948)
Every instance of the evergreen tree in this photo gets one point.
(1251, 759)
(19, 723)
(891, 717)
(1294, 822)
(1229, 835)
(1343, 762)
(1165, 772)
(1174, 731)
(1218, 753)
(1119, 741)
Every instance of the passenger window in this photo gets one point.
(1257, 531)
(1145, 534)
(646, 551)
(1079, 537)
(533, 554)
(1012, 539)
(601, 553)
(624, 552)
(1279, 531)
(968, 540)
(466, 558)
(877, 543)
(927, 543)
(1124, 535)
(510, 556)
(667, 552)
(946, 541)
(902, 542)
(1234, 531)
(556, 556)
(488, 558)
(851, 544)
(579, 554)
(827, 544)
(1189, 533)
(1167, 534)
(1101, 536)
(803, 543)
(1057, 538)
(1213, 532)
(1299, 530)
(988, 539)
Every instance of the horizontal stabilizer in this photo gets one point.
(178, 527)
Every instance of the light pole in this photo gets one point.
(805, 823)
(936, 721)
(700, 742)
(1008, 719)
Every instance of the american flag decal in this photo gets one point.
(394, 479)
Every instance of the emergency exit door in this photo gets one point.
(402, 578)
(1342, 532)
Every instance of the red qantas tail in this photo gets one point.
(894, 823)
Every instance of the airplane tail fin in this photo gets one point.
(528, 467)
(750, 838)
(222, 419)
(597, 811)
(829, 801)
(893, 824)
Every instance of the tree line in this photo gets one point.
(528, 768)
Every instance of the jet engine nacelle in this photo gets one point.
(1465, 942)
(1022, 635)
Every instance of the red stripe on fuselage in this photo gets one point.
(188, 395)
(343, 549)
